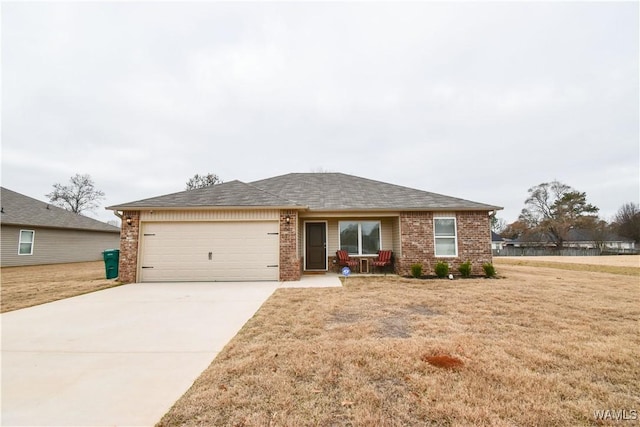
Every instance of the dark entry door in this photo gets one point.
(316, 250)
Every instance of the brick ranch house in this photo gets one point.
(279, 228)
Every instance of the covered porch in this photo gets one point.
(362, 235)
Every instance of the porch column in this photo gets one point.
(129, 237)
(290, 269)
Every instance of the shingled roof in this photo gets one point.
(21, 210)
(338, 191)
(229, 194)
(313, 191)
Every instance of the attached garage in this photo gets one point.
(209, 251)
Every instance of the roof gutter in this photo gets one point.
(401, 209)
(200, 208)
(491, 209)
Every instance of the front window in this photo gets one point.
(360, 237)
(445, 237)
(25, 245)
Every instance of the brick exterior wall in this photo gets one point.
(474, 241)
(417, 242)
(332, 264)
(129, 237)
(290, 263)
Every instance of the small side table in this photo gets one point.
(364, 265)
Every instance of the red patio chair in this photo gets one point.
(345, 260)
(383, 259)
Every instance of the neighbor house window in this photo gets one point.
(360, 237)
(446, 241)
(25, 245)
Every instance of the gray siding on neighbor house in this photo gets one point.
(55, 246)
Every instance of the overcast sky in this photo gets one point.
(473, 100)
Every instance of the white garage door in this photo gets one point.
(209, 251)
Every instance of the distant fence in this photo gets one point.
(512, 251)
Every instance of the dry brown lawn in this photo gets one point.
(622, 264)
(33, 285)
(613, 260)
(536, 347)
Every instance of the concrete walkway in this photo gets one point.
(122, 356)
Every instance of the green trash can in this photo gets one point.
(111, 258)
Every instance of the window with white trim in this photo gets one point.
(25, 244)
(446, 240)
(360, 237)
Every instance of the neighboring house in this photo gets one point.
(281, 227)
(497, 242)
(579, 239)
(35, 232)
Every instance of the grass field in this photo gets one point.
(623, 264)
(613, 260)
(33, 285)
(537, 347)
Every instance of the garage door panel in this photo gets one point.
(180, 251)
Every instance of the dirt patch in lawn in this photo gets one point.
(443, 361)
(622, 264)
(539, 346)
(33, 285)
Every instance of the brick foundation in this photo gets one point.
(129, 236)
(332, 264)
(417, 240)
(290, 263)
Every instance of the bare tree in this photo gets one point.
(627, 221)
(79, 196)
(201, 181)
(498, 225)
(554, 208)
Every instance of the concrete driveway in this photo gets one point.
(118, 357)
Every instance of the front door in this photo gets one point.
(316, 246)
